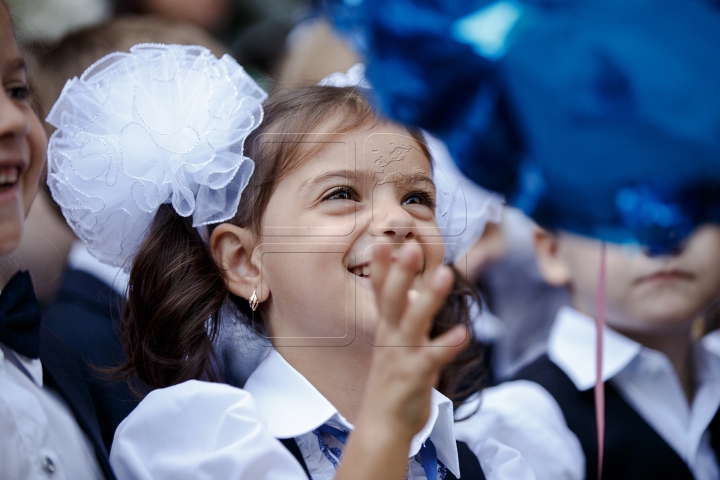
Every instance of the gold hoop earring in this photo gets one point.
(253, 301)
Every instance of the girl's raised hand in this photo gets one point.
(406, 364)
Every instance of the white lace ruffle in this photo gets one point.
(354, 77)
(162, 124)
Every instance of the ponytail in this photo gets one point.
(172, 315)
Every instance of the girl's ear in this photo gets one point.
(232, 249)
(552, 265)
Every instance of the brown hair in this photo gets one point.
(176, 290)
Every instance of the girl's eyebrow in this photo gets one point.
(352, 176)
(356, 176)
(413, 178)
(17, 63)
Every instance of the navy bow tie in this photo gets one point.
(20, 316)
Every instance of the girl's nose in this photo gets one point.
(393, 221)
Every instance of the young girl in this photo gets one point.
(161, 136)
(47, 419)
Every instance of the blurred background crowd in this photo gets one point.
(279, 42)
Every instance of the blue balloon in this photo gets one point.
(597, 117)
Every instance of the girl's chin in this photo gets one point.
(369, 337)
(10, 234)
(367, 326)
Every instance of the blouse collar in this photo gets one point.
(291, 406)
(571, 347)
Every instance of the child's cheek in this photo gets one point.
(435, 253)
(37, 144)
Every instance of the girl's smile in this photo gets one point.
(22, 141)
(10, 172)
(369, 186)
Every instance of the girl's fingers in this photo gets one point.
(379, 266)
(412, 296)
(400, 277)
(418, 319)
(448, 345)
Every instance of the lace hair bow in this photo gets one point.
(354, 77)
(162, 124)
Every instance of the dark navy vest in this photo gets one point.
(633, 450)
(469, 464)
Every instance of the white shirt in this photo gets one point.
(199, 430)
(209, 430)
(524, 418)
(292, 408)
(711, 341)
(645, 378)
(39, 437)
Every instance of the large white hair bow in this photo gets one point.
(162, 124)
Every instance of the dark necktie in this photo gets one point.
(20, 316)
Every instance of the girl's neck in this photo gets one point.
(677, 345)
(339, 373)
(9, 266)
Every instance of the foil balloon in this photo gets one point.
(600, 118)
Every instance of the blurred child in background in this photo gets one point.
(47, 418)
(662, 387)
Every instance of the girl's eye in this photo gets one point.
(420, 198)
(341, 193)
(21, 93)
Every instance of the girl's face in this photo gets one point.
(321, 223)
(22, 141)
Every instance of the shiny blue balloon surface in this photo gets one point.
(598, 117)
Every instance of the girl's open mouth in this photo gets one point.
(361, 270)
(9, 176)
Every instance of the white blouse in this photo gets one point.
(522, 416)
(199, 430)
(206, 430)
(39, 437)
(293, 408)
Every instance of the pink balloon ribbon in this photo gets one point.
(599, 384)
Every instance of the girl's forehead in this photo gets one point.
(388, 144)
(375, 152)
(9, 53)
